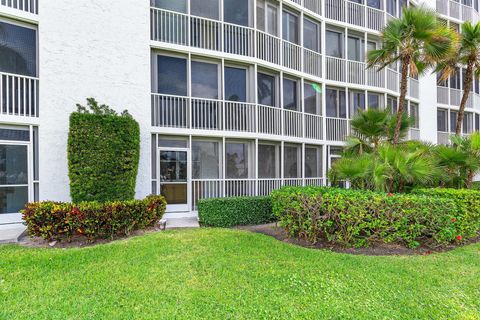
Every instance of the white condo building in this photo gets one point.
(233, 97)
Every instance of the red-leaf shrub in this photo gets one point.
(94, 220)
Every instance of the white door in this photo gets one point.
(14, 181)
(174, 178)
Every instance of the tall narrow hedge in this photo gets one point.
(103, 154)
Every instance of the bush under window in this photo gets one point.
(229, 212)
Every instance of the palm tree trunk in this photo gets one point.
(401, 102)
(467, 86)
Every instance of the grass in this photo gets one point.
(228, 274)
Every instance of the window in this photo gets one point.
(205, 159)
(311, 38)
(13, 178)
(312, 99)
(335, 103)
(392, 7)
(235, 84)
(355, 49)
(205, 8)
(476, 84)
(440, 82)
(374, 4)
(292, 162)
(237, 158)
(172, 75)
(392, 104)
(414, 113)
(266, 90)
(375, 101)
(356, 102)
(236, 12)
(172, 5)
(172, 142)
(268, 161)
(453, 120)
(455, 79)
(205, 80)
(313, 162)
(290, 27)
(442, 118)
(334, 44)
(290, 94)
(467, 124)
(18, 50)
(371, 45)
(267, 17)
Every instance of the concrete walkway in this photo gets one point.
(11, 233)
(187, 222)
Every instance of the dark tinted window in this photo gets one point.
(266, 89)
(172, 75)
(235, 84)
(18, 50)
(236, 11)
(173, 5)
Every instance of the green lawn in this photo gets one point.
(227, 274)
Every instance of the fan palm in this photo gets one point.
(372, 127)
(417, 40)
(467, 54)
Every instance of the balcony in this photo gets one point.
(219, 188)
(30, 6)
(453, 97)
(18, 95)
(355, 13)
(457, 10)
(205, 114)
(185, 30)
(413, 88)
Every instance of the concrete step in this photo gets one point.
(178, 223)
(11, 233)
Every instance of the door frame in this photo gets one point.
(176, 208)
(13, 218)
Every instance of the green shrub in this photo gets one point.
(94, 220)
(103, 154)
(359, 218)
(229, 212)
(467, 215)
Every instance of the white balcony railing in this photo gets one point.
(269, 120)
(313, 126)
(268, 47)
(239, 40)
(30, 6)
(413, 88)
(392, 80)
(443, 138)
(355, 13)
(455, 9)
(169, 111)
(313, 5)
(293, 123)
(18, 95)
(442, 95)
(376, 78)
(337, 129)
(414, 134)
(292, 55)
(455, 97)
(312, 63)
(219, 188)
(356, 72)
(335, 69)
(240, 116)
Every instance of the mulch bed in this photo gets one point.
(376, 249)
(77, 241)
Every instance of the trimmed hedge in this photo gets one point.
(359, 218)
(94, 220)
(467, 215)
(229, 212)
(103, 154)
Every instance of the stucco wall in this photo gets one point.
(91, 48)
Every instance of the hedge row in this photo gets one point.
(467, 214)
(103, 154)
(358, 218)
(229, 212)
(94, 220)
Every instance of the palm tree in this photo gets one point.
(467, 54)
(372, 127)
(417, 40)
